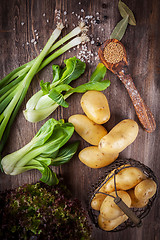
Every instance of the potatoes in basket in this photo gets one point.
(94, 158)
(87, 129)
(109, 225)
(97, 201)
(121, 136)
(109, 209)
(136, 203)
(145, 189)
(95, 106)
(126, 179)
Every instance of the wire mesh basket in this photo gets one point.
(137, 213)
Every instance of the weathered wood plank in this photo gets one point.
(142, 45)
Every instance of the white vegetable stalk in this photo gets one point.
(81, 28)
(73, 43)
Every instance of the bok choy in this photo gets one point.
(14, 86)
(44, 150)
(51, 95)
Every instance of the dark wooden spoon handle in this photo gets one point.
(142, 110)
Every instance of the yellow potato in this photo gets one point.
(87, 129)
(97, 201)
(109, 225)
(94, 158)
(126, 179)
(95, 106)
(109, 209)
(145, 189)
(121, 136)
(136, 203)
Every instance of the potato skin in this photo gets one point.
(97, 201)
(121, 136)
(126, 179)
(95, 106)
(87, 129)
(136, 203)
(109, 210)
(94, 158)
(109, 225)
(145, 189)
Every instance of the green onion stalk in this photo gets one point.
(14, 86)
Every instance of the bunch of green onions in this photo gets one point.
(14, 86)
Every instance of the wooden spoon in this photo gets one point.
(121, 70)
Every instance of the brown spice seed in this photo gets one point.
(113, 52)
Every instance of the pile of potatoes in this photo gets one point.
(106, 146)
(133, 187)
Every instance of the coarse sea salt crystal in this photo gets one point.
(82, 10)
(32, 40)
(65, 13)
(44, 14)
(22, 23)
(27, 43)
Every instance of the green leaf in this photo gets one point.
(65, 154)
(99, 73)
(48, 176)
(73, 70)
(57, 73)
(125, 11)
(120, 29)
(97, 86)
(45, 87)
(58, 98)
(44, 132)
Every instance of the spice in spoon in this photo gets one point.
(113, 52)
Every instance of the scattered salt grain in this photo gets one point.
(82, 10)
(32, 40)
(35, 42)
(44, 14)
(72, 12)
(79, 3)
(47, 21)
(65, 13)
(27, 43)
(35, 30)
(22, 23)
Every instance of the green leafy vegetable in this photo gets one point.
(41, 151)
(125, 11)
(38, 211)
(44, 102)
(14, 86)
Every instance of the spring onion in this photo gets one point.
(14, 86)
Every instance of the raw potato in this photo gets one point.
(109, 210)
(121, 136)
(145, 189)
(94, 158)
(126, 179)
(97, 201)
(87, 129)
(95, 106)
(109, 225)
(136, 203)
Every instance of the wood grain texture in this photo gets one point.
(142, 46)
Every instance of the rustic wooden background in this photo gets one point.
(18, 21)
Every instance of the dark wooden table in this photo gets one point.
(22, 21)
